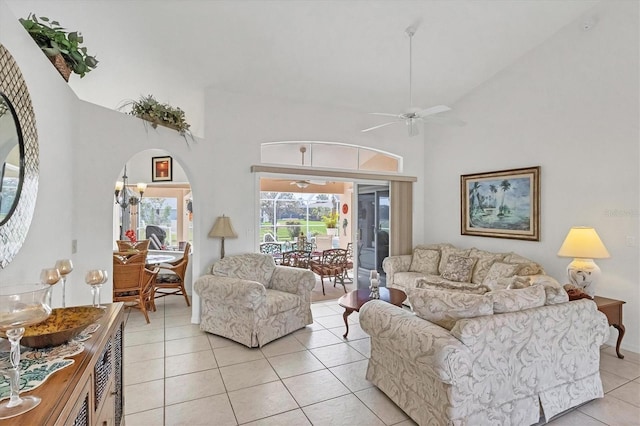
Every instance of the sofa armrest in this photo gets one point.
(393, 264)
(405, 335)
(227, 290)
(293, 280)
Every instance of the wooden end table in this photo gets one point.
(354, 300)
(612, 308)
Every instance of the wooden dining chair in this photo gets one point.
(126, 245)
(172, 282)
(133, 282)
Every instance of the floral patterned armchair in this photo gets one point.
(247, 298)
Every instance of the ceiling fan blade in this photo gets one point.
(449, 121)
(380, 125)
(317, 182)
(433, 110)
(386, 114)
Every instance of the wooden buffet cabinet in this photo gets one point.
(89, 392)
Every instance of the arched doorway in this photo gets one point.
(154, 202)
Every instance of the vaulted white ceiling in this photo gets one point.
(347, 53)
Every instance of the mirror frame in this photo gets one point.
(14, 231)
(14, 116)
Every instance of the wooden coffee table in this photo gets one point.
(354, 300)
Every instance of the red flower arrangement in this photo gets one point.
(131, 235)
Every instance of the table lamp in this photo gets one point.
(583, 244)
(222, 228)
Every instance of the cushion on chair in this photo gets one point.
(281, 301)
(251, 266)
(425, 261)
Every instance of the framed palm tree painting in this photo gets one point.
(501, 204)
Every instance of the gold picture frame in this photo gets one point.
(501, 204)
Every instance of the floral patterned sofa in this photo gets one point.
(507, 356)
(247, 298)
(467, 269)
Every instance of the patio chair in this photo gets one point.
(156, 235)
(296, 259)
(331, 265)
(274, 249)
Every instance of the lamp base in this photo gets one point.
(584, 273)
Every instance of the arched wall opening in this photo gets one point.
(163, 213)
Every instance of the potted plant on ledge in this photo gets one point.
(157, 113)
(61, 47)
(331, 221)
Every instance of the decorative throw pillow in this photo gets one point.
(459, 268)
(485, 260)
(528, 267)
(425, 261)
(445, 308)
(517, 300)
(554, 291)
(445, 252)
(517, 282)
(499, 270)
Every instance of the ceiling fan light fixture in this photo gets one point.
(412, 127)
(302, 184)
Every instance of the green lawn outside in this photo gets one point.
(315, 227)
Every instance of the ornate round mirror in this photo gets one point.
(18, 158)
(11, 155)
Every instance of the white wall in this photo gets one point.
(83, 148)
(571, 107)
(49, 236)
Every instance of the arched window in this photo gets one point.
(330, 155)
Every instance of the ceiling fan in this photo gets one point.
(413, 114)
(302, 184)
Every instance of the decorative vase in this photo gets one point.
(332, 231)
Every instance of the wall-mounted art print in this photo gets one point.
(501, 204)
(161, 169)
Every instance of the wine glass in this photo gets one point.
(20, 306)
(65, 267)
(95, 278)
(50, 276)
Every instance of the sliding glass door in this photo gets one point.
(373, 232)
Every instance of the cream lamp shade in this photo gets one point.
(583, 244)
(222, 228)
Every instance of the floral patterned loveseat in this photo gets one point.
(507, 357)
(247, 298)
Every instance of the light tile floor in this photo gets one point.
(175, 374)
